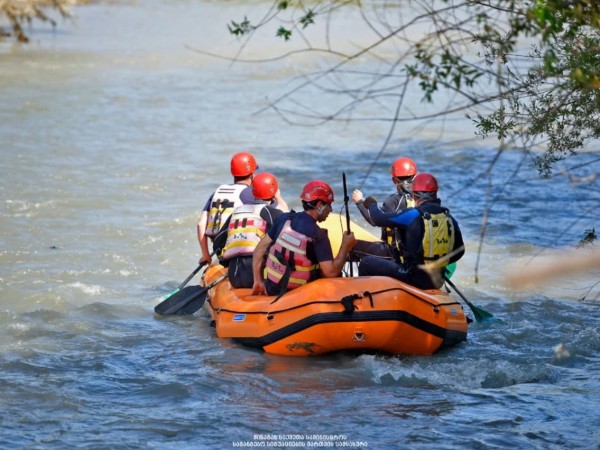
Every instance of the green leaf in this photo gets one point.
(284, 33)
(241, 28)
(307, 19)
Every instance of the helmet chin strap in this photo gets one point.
(320, 211)
(401, 189)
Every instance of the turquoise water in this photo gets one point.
(113, 133)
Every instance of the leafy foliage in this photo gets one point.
(545, 99)
(589, 237)
(557, 99)
(284, 33)
(240, 28)
(525, 72)
(22, 12)
(304, 20)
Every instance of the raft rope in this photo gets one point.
(347, 302)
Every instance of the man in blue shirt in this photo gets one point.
(296, 250)
(431, 238)
(403, 171)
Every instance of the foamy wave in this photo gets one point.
(88, 289)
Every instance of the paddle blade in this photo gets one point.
(481, 315)
(450, 269)
(179, 299)
(194, 304)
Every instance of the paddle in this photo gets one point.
(450, 269)
(187, 301)
(346, 198)
(167, 304)
(172, 293)
(167, 301)
(480, 314)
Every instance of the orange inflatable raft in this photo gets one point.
(335, 314)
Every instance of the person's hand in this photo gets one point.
(204, 259)
(357, 196)
(258, 288)
(348, 241)
(280, 202)
(369, 201)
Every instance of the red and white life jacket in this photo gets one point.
(246, 229)
(288, 255)
(225, 199)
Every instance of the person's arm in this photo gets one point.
(390, 219)
(202, 239)
(357, 198)
(201, 232)
(333, 268)
(258, 288)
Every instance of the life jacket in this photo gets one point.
(391, 234)
(246, 229)
(288, 259)
(438, 240)
(225, 199)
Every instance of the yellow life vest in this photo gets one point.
(438, 239)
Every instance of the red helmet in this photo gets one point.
(317, 190)
(425, 182)
(403, 167)
(243, 164)
(264, 186)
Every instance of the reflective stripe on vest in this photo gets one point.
(438, 239)
(246, 229)
(225, 199)
(288, 253)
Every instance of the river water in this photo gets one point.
(113, 133)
